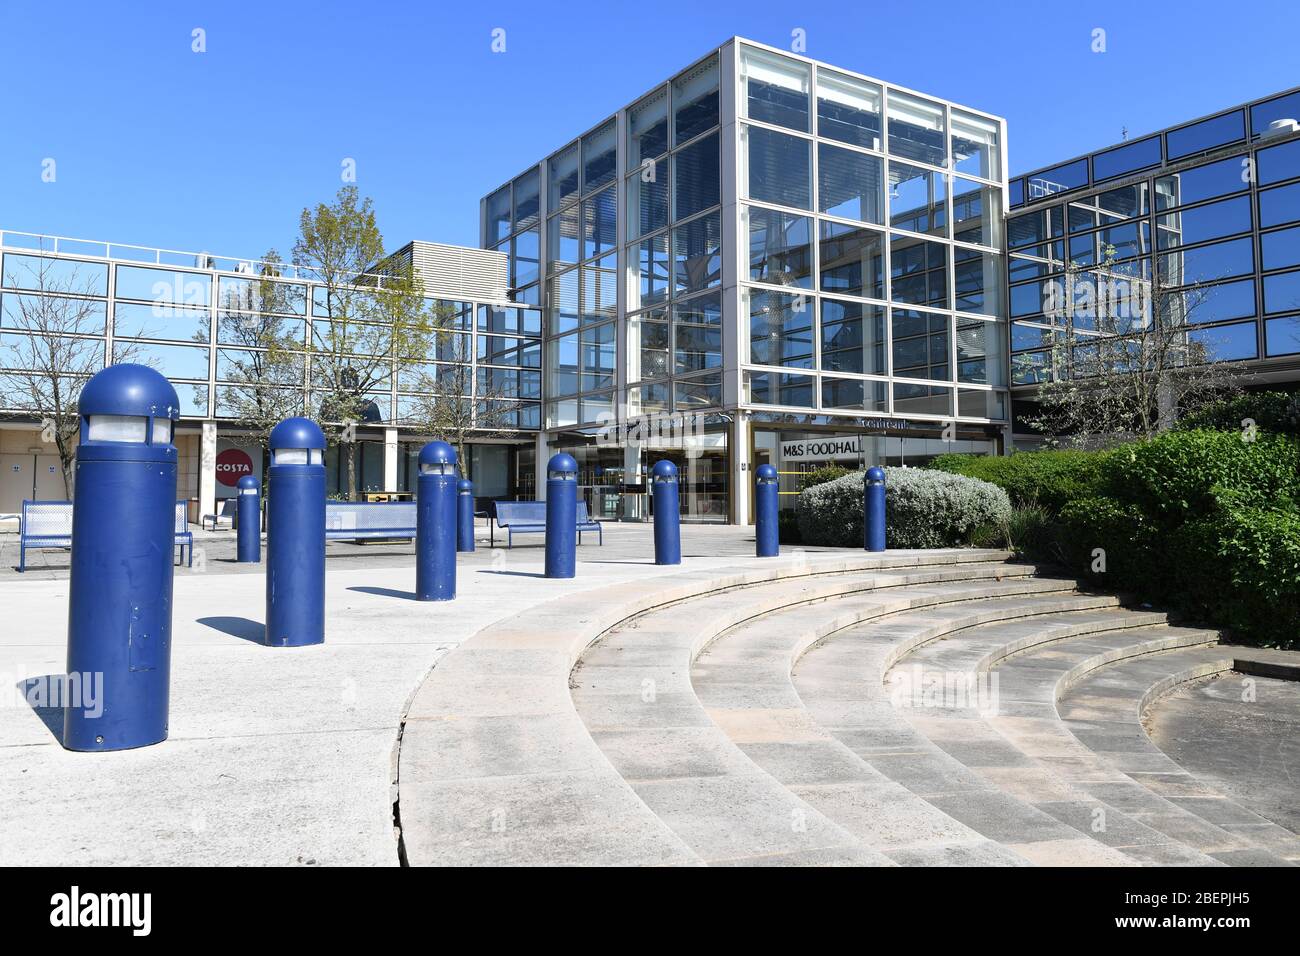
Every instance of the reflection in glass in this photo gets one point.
(975, 149)
(918, 199)
(774, 89)
(916, 129)
(780, 247)
(852, 337)
(780, 329)
(695, 101)
(850, 184)
(780, 167)
(852, 260)
(848, 109)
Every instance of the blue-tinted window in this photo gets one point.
(852, 260)
(563, 177)
(697, 260)
(1124, 203)
(1029, 337)
(780, 168)
(163, 287)
(853, 337)
(1027, 229)
(695, 101)
(1028, 299)
(780, 329)
(1016, 192)
(1280, 107)
(1217, 303)
(1202, 223)
(696, 184)
(498, 215)
(527, 189)
(1126, 159)
(1206, 134)
(1282, 336)
(1278, 162)
(780, 247)
(1278, 205)
(850, 184)
(47, 274)
(1282, 292)
(1280, 249)
(1203, 182)
(1227, 343)
(599, 157)
(1220, 260)
(1058, 179)
(647, 129)
(599, 223)
(918, 271)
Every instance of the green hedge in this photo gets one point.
(1050, 479)
(1270, 411)
(923, 509)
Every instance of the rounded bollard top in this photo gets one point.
(875, 474)
(464, 486)
(664, 471)
(297, 433)
(437, 453)
(767, 472)
(128, 389)
(563, 463)
(246, 482)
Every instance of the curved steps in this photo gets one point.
(1103, 707)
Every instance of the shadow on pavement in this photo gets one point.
(45, 696)
(240, 627)
(385, 592)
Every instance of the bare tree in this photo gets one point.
(264, 379)
(1127, 361)
(369, 328)
(451, 406)
(55, 343)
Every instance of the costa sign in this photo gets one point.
(233, 464)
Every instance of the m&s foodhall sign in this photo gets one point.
(822, 449)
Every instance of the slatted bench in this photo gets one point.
(369, 520)
(48, 524)
(529, 517)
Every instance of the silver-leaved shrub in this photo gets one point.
(923, 509)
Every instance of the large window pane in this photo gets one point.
(1220, 260)
(1126, 159)
(696, 184)
(697, 331)
(1206, 134)
(599, 223)
(776, 388)
(855, 393)
(1202, 223)
(975, 147)
(599, 156)
(695, 101)
(850, 184)
(916, 129)
(852, 260)
(922, 399)
(979, 403)
(981, 358)
(1282, 336)
(1210, 303)
(1278, 162)
(774, 89)
(780, 167)
(853, 337)
(647, 199)
(780, 247)
(652, 271)
(1279, 205)
(647, 129)
(562, 365)
(780, 329)
(918, 271)
(564, 303)
(1280, 249)
(527, 197)
(1280, 107)
(697, 260)
(1227, 343)
(1203, 182)
(976, 216)
(848, 109)
(526, 257)
(563, 177)
(1058, 179)
(498, 215)
(1282, 292)
(650, 340)
(562, 238)
(977, 281)
(921, 343)
(162, 322)
(918, 199)
(173, 361)
(599, 289)
(598, 358)
(162, 286)
(699, 391)
(47, 274)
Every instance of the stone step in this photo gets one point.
(633, 690)
(1102, 703)
(494, 766)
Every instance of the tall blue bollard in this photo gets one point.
(668, 518)
(120, 593)
(295, 538)
(767, 537)
(435, 524)
(561, 516)
(248, 547)
(873, 510)
(465, 515)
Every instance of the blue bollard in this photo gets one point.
(767, 537)
(465, 515)
(248, 508)
(120, 593)
(873, 510)
(295, 535)
(561, 516)
(435, 524)
(668, 518)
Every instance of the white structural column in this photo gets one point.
(543, 456)
(742, 469)
(208, 469)
(390, 459)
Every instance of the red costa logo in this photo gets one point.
(233, 464)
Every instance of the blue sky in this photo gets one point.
(157, 145)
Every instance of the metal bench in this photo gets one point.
(225, 513)
(48, 524)
(359, 520)
(529, 517)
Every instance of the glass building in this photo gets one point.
(202, 321)
(763, 259)
(1208, 210)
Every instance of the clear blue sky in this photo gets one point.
(161, 146)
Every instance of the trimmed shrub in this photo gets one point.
(1051, 479)
(923, 509)
(1270, 411)
(819, 476)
